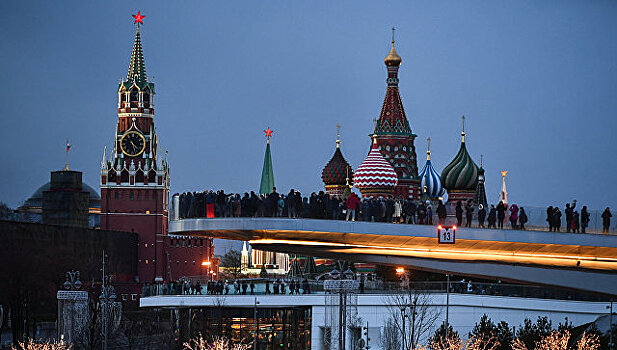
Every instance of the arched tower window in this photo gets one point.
(147, 98)
(134, 98)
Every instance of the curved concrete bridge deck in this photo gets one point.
(586, 262)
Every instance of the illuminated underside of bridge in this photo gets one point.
(585, 262)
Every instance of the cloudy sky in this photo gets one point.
(536, 80)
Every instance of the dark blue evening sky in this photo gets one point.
(537, 81)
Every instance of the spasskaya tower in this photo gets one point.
(135, 179)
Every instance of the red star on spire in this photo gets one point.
(268, 133)
(139, 18)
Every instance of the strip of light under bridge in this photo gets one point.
(558, 260)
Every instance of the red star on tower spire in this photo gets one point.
(139, 18)
(268, 133)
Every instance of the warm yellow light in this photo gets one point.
(400, 270)
(205, 263)
(439, 227)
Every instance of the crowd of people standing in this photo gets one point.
(324, 206)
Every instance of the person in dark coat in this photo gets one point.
(410, 212)
(522, 218)
(575, 222)
(459, 213)
(501, 214)
(584, 219)
(513, 215)
(442, 213)
(481, 215)
(557, 219)
(549, 218)
(421, 214)
(606, 220)
(492, 217)
(469, 213)
(569, 211)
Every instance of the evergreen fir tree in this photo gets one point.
(504, 335)
(530, 333)
(441, 334)
(484, 330)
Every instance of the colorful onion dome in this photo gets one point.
(337, 171)
(462, 173)
(375, 174)
(430, 181)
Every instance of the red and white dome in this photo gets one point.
(375, 176)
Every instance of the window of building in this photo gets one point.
(132, 195)
(116, 195)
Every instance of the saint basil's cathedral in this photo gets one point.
(391, 170)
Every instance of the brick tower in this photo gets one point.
(135, 179)
(393, 133)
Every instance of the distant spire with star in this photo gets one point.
(267, 174)
(137, 67)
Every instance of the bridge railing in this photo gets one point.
(536, 216)
(198, 286)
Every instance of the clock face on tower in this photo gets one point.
(132, 143)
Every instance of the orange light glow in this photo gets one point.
(453, 227)
(205, 263)
(400, 270)
(439, 227)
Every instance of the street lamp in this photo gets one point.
(404, 316)
(610, 326)
(108, 296)
(255, 321)
(207, 266)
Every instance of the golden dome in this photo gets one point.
(393, 59)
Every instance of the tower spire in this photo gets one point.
(267, 174)
(463, 132)
(428, 149)
(137, 67)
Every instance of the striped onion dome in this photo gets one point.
(462, 173)
(337, 170)
(375, 174)
(430, 181)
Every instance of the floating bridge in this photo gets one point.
(584, 262)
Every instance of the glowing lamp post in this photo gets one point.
(207, 264)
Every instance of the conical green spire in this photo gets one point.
(137, 67)
(267, 175)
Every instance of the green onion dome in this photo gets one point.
(462, 173)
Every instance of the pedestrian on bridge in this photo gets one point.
(606, 220)
(501, 214)
(584, 219)
(481, 215)
(352, 205)
(459, 213)
(441, 213)
(469, 212)
(513, 215)
(569, 211)
(522, 218)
